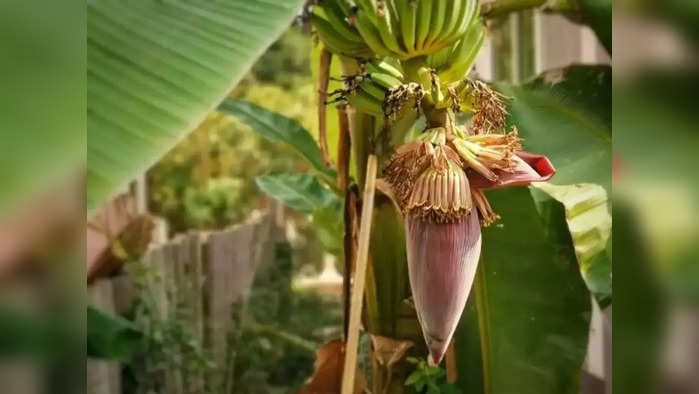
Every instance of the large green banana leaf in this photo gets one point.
(566, 115)
(155, 68)
(525, 328)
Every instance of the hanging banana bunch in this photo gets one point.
(402, 29)
(381, 91)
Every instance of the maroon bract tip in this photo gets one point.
(529, 168)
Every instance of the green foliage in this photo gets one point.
(590, 225)
(329, 225)
(277, 128)
(286, 61)
(169, 342)
(304, 193)
(144, 96)
(263, 361)
(111, 337)
(566, 114)
(526, 327)
(429, 379)
(214, 205)
(206, 181)
(187, 184)
(641, 312)
(299, 191)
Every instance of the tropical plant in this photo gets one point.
(403, 63)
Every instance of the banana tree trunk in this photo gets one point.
(387, 311)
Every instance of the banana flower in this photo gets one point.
(437, 180)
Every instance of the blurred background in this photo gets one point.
(254, 328)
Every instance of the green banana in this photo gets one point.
(370, 34)
(453, 14)
(385, 80)
(367, 6)
(336, 18)
(422, 28)
(407, 10)
(440, 58)
(344, 5)
(373, 89)
(457, 30)
(385, 68)
(467, 42)
(393, 10)
(472, 7)
(438, 18)
(384, 24)
(466, 55)
(334, 42)
(364, 102)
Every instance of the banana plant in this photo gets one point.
(435, 234)
(436, 238)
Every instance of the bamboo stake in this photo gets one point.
(350, 251)
(357, 295)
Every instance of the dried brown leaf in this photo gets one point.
(327, 377)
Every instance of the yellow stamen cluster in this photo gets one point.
(428, 175)
(406, 164)
(485, 153)
(441, 193)
(488, 216)
(429, 183)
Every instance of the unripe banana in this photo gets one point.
(388, 34)
(453, 14)
(385, 80)
(407, 11)
(336, 18)
(393, 10)
(440, 58)
(364, 102)
(344, 5)
(422, 28)
(439, 11)
(469, 40)
(457, 29)
(370, 34)
(373, 89)
(465, 19)
(465, 56)
(334, 41)
(385, 68)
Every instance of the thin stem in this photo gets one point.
(483, 328)
(323, 80)
(344, 147)
(350, 367)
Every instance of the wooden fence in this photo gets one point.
(207, 274)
